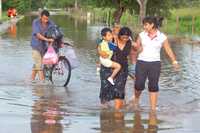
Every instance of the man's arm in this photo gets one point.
(36, 32)
(41, 37)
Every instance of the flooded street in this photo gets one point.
(27, 108)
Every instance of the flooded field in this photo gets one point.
(28, 108)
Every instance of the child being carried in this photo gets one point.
(105, 50)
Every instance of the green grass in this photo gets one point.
(195, 11)
(185, 21)
(4, 16)
(169, 24)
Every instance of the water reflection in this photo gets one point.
(138, 126)
(152, 124)
(112, 122)
(12, 30)
(139, 123)
(46, 112)
(115, 122)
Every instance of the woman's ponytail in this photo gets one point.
(159, 21)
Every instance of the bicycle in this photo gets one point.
(59, 73)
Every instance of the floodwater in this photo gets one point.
(27, 108)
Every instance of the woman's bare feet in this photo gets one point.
(133, 104)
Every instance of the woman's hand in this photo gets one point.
(134, 44)
(137, 47)
(176, 66)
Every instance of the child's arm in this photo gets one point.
(103, 54)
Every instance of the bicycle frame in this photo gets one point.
(48, 69)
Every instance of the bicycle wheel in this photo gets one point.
(61, 72)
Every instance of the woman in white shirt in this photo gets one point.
(148, 65)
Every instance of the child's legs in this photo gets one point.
(111, 64)
(105, 62)
(116, 68)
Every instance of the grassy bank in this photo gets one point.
(4, 16)
(181, 21)
(188, 19)
(195, 11)
(184, 20)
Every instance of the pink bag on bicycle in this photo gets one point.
(50, 57)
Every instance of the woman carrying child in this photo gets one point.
(116, 92)
(105, 51)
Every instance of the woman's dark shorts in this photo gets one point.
(150, 70)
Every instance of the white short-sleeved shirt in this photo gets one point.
(151, 47)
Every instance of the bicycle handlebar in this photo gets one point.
(68, 44)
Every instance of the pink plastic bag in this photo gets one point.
(50, 57)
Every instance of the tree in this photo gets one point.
(140, 7)
(119, 10)
(120, 7)
(163, 10)
(22, 6)
(185, 3)
(143, 6)
(63, 3)
(39, 4)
